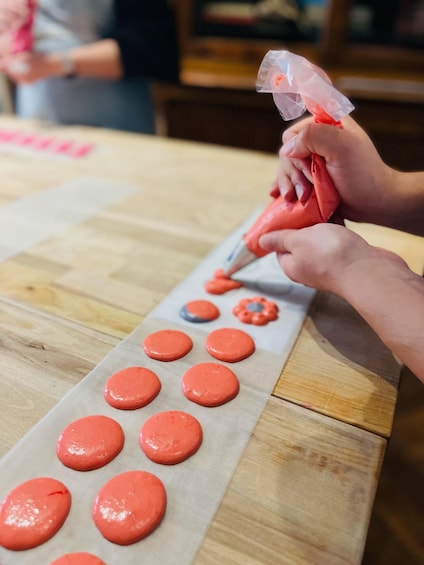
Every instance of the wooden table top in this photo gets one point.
(304, 488)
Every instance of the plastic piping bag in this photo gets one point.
(22, 38)
(298, 85)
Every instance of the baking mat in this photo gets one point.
(195, 487)
(34, 218)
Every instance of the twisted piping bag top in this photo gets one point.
(298, 85)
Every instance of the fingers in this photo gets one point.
(294, 179)
(300, 141)
(293, 130)
(302, 166)
(322, 139)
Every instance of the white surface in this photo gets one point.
(195, 487)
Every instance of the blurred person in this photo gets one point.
(91, 62)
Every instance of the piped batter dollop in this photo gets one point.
(33, 512)
(170, 437)
(129, 507)
(167, 345)
(199, 311)
(210, 384)
(132, 388)
(230, 345)
(90, 442)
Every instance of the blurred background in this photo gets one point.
(372, 50)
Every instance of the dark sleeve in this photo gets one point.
(146, 32)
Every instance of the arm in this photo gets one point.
(406, 211)
(376, 282)
(100, 59)
(371, 191)
(390, 298)
(143, 42)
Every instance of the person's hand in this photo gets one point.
(365, 183)
(13, 13)
(326, 256)
(29, 66)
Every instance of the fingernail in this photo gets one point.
(267, 241)
(298, 188)
(275, 192)
(283, 190)
(307, 174)
(288, 148)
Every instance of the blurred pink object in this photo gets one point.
(21, 38)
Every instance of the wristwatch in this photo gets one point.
(68, 65)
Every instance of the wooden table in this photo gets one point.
(304, 488)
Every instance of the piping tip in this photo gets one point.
(239, 258)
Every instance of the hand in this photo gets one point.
(27, 67)
(13, 13)
(365, 183)
(325, 256)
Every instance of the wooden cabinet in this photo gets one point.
(372, 50)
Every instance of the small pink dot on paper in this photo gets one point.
(5, 135)
(62, 146)
(80, 150)
(24, 139)
(42, 142)
(11, 135)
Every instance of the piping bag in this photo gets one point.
(297, 85)
(21, 38)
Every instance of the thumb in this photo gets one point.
(268, 241)
(276, 240)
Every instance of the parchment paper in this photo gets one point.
(34, 218)
(195, 487)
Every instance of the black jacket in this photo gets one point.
(146, 32)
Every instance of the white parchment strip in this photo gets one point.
(195, 487)
(34, 218)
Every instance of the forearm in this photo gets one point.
(390, 298)
(404, 204)
(98, 60)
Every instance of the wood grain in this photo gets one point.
(41, 359)
(306, 479)
(349, 375)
